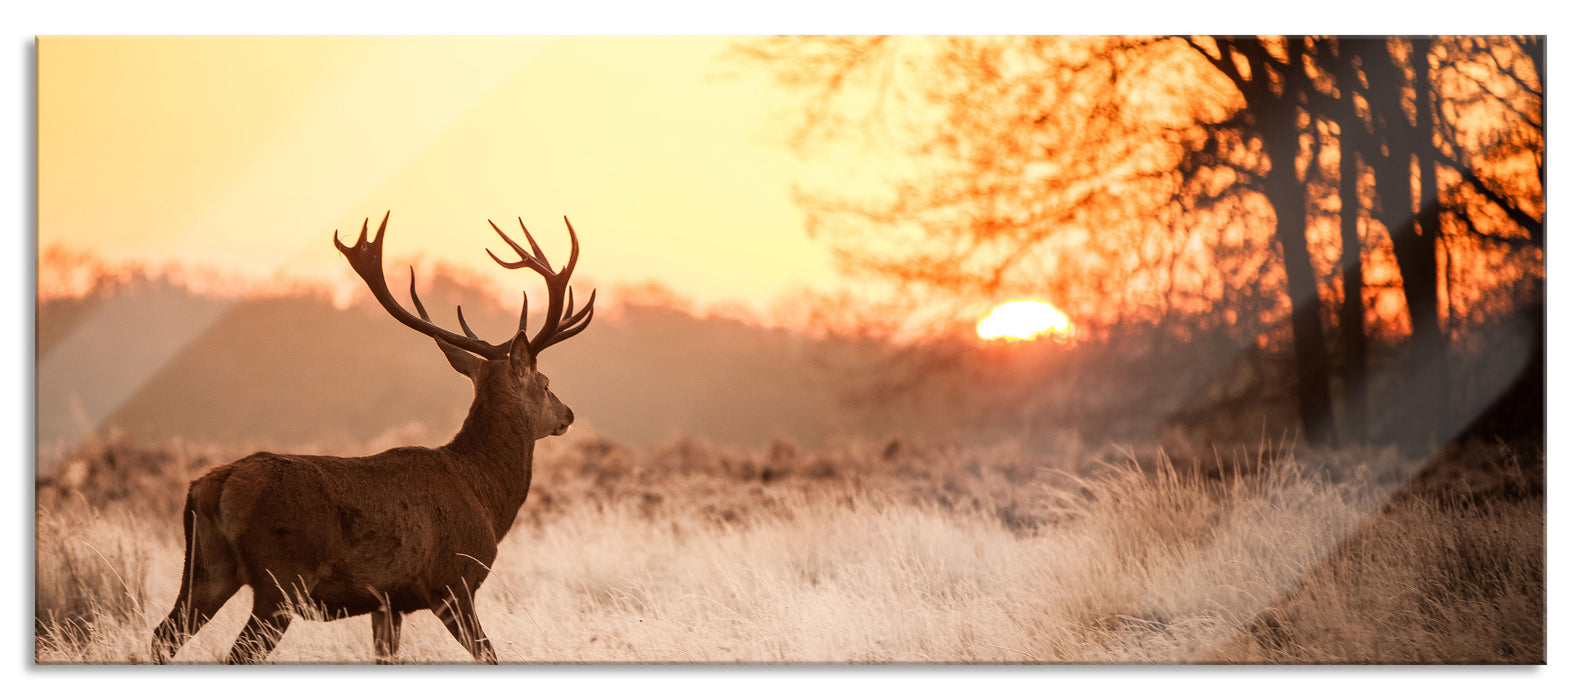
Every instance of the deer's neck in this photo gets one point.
(495, 444)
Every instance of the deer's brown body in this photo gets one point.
(407, 529)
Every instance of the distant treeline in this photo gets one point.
(291, 370)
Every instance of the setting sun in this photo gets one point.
(1023, 320)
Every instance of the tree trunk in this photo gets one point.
(1274, 108)
(1288, 194)
(1353, 330)
(1422, 296)
(1421, 408)
(1353, 326)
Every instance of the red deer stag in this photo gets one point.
(407, 529)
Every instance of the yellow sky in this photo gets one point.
(246, 153)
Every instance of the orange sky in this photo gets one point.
(246, 153)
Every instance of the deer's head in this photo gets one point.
(506, 371)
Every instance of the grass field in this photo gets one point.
(890, 553)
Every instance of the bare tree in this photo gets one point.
(407, 529)
(1190, 181)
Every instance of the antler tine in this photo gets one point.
(587, 310)
(413, 291)
(362, 239)
(571, 260)
(463, 320)
(521, 327)
(508, 242)
(575, 323)
(538, 263)
(423, 313)
(573, 330)
(537, 252)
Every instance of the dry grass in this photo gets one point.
(890, 553)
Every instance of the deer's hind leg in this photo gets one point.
(461, 618)
(275, 597)
(281, 585)
(271, 616)
(209, 579)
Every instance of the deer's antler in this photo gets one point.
(367, 258)
(560, 322)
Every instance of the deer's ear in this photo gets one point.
(521, 352)
(460, 360)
